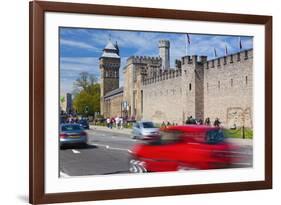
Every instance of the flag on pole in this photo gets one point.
(240, 43)
(215, 52)
(188, 39)
(226, 51)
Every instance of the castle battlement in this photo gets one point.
(164, 43)
(193, 59)
(229, 59)
(161, 76)
(144, 60)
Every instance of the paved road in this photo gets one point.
(107, 153)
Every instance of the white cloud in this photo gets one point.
(71, 67)
(78, 44)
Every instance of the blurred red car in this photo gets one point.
(183, 148)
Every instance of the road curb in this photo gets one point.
(113, 130)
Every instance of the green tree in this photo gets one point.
(85, 80)
(87, 99)
(62, 99)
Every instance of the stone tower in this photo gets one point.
(109, 67)
(193, 85)
(164, 52)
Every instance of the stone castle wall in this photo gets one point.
(162, 100)
(113, 106)
(228, 89)
(220, 88)
(133, 82)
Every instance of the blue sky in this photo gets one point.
(80, 49)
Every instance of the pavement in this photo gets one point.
(242, 142)
(113, 130)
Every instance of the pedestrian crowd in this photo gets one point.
(193, 121)
(117, 121)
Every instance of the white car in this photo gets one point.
(145, 130)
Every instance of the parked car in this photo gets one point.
(183, 148)
(72, 134)
(144, 130)
(84, 123)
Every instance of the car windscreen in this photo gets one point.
(167, 137)
(69, 128)
(148, 125)
(214, 137)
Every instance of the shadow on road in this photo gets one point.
(78, 147)
(117, 172)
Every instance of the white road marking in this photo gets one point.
(75, 151)
(62, 174)
(116, 148)
(101, 145)
(112, 148)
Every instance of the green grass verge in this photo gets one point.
(248, 133)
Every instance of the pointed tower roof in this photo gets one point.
(110, 51)
(110, 46)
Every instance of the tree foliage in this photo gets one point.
(85, 80)
(87, 100)
(62, 99)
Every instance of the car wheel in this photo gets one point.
(136, 166)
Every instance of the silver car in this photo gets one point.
(71, 134)
(145, 130)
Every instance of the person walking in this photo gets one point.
(121, 122)
(207, 121)
(117, 122)
(217, 122)
(111, 123)
(108, 122)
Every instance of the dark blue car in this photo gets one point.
(84, 124)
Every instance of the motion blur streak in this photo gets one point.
(188, 147)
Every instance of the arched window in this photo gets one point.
(246, 80)
(189, 86)
(219, 84)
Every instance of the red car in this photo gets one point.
(184, 147)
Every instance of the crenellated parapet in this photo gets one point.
(144, 60)
(229, 59)
(162, 76)
(193, 60)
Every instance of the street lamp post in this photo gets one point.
(86, 110)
